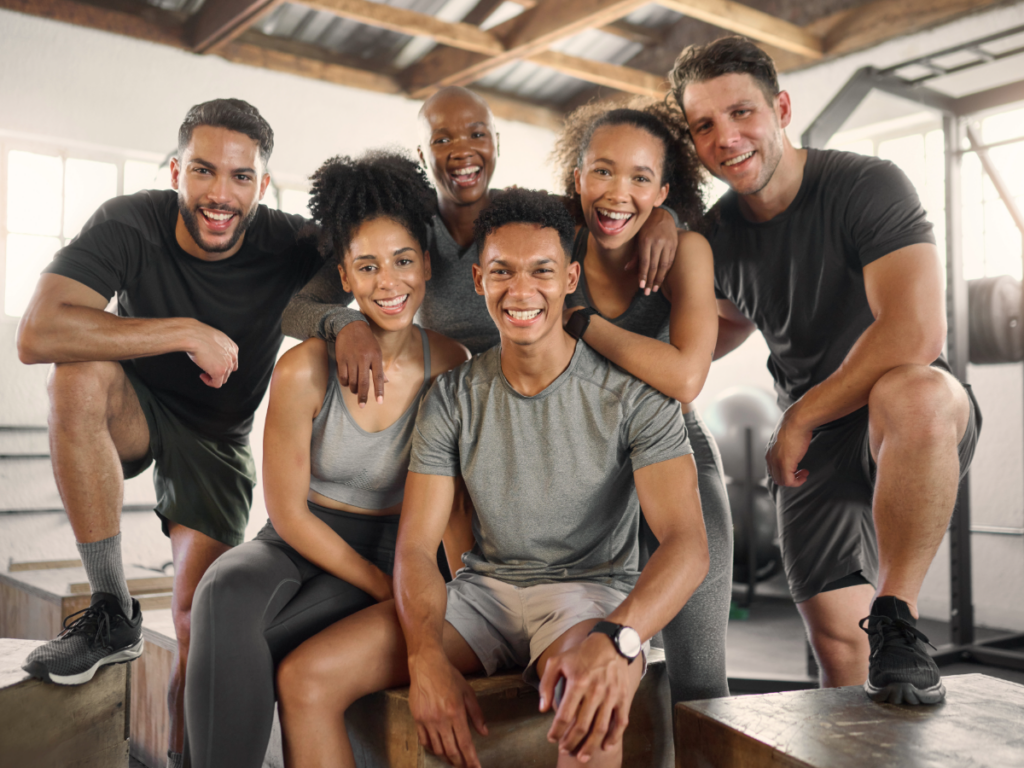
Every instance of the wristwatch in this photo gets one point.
(625, 639)
(579, 321)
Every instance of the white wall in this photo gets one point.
(997, 491)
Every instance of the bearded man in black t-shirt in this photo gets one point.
(201, 277)
(832, 258)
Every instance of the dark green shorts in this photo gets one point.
(203, 484)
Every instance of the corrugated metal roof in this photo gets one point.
(380, 48)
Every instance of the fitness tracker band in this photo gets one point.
(579, 321)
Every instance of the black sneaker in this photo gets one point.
(101, 634)
(900, 671)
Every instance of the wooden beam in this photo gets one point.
(637, 33)
(279, 61)
(316, 52)
(221, 22)
(755, 24)
(457, 35)
(602, 73)
(533, 31)
(522, 111)
(875, 22)
(119, 22)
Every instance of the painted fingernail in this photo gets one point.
(542, 703)
(380, 399)
(643, 283)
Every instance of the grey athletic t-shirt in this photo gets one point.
(550, 476)
(451, 305)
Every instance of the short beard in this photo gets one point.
(191, 219)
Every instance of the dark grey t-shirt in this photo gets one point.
(451, 306)
(129, 248)
(550, 476)
(799, 277)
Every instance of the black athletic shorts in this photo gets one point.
(826, 530)
(203, 484)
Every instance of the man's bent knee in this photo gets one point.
(84, 385)
(921, 398)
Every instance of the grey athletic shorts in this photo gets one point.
(509, 626)
(826, 530)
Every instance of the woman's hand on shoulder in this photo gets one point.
(445, 353)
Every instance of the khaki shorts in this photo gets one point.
(509, 626)
(201, 483)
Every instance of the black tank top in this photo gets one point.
(645, 315)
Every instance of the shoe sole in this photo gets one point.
(906, 693)
(38, 669)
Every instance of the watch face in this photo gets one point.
(629, 642)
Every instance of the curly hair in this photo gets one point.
(681, 170)
(526, 206)
(348, 192)
(724, 56)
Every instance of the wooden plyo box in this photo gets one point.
(383, 733)
(43, 725)
(980, 725)
(34, 602)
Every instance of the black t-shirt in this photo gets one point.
(799, 276)
(128, 247)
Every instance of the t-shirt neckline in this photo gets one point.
(554, 385)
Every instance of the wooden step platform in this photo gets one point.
(383, 733)
(43, 725)
(980, 725)
(34, 601)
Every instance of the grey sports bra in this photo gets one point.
(353, 466)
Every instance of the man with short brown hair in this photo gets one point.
(830, 255)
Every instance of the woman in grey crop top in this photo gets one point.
(333, 472)
(616, 166)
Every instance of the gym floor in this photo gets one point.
(771, 640)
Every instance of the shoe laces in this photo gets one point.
(899, 630)
(94, 622)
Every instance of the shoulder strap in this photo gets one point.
(426, 357)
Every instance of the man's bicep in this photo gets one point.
(668, 495)
(54, 291)
(907, 282)
(425, 510)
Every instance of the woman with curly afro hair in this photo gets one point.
(617, 165)
(334, 470)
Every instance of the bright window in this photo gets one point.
(50, 195)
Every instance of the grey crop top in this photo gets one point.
(353, 466)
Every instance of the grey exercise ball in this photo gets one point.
(729, 415)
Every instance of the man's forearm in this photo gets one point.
(420, 599)
(320, 309)
(880, 349)
(75, 334)
(668, 580)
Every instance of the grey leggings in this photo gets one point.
(694, 640)
(255, 604)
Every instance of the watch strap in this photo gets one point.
(579, 321)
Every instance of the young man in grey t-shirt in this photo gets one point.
(558, 449)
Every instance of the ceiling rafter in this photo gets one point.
(755, 24)
(466, 37)
(602, 73)
(533, 31)
(221, 22)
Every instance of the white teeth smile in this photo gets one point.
(392, 302)
(217, 216)
(528, 314)
(466, 171)
(739, 159)
(615, 215)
